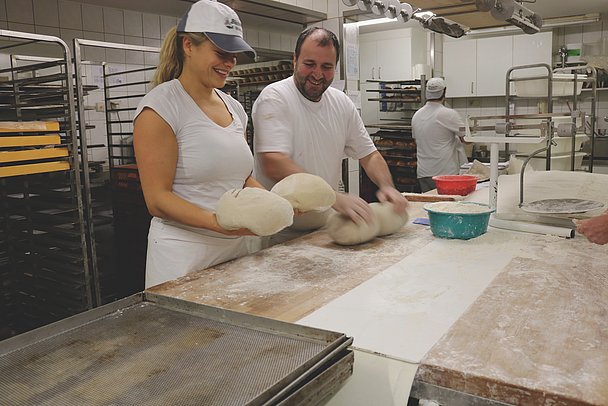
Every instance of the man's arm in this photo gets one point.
(376, 168)
(277, 165)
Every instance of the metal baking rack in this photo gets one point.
(120, 264)
(44, 264)
(505, 130)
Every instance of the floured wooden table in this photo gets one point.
(538, 334)
(506, 317)
(290, 280)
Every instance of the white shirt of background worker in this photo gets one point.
(302, 124)
(436, 129)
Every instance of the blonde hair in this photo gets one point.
(171, 60)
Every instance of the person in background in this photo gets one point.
(190, 145)
(436, 129)
(301, 124)
(595, 228)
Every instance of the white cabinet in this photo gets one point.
(478, 67)
(460, 67)
(531, 49)
(494, 59)
(385, 55)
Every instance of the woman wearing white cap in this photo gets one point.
(436, 129)
(190, 146)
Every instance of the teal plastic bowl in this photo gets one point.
(454, 219)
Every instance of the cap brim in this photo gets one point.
(434, 94)
(231, 43)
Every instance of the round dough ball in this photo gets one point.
(306, 192)
(344, 231)
(262, 212)
(388, 220)
(310, 220)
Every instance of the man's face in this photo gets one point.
(314, 69)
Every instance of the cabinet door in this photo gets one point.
(460, 67)
(531, 49)
(394, 58)
(494, 59)
(368, 61)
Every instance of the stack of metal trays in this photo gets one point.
(154, 350)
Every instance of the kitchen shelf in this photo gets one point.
(394, 138)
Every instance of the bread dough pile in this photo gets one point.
(262, 212)
(306, 192)
(344, 231)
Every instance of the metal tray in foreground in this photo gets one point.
(154, 350)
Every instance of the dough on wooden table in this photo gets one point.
(388, 220)
(310, 220)
(344, 231)
(258, 210)
(306, 192)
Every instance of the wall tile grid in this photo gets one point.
(69, 20)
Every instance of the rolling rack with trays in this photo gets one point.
(394, 137)
(122, 244)
(45, 259)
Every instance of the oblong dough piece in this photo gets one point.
(262, 212)
(306, 192)
(344, 231)
(310, 220)
(388, 220)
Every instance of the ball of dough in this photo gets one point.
(262, 212)
(344, 231)
(310, 220)
(306, 192)
(388, 220)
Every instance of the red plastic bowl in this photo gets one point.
(455, 184)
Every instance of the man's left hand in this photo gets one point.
(390, 194)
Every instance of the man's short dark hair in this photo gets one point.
(327, 39)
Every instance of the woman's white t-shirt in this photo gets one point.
(210, 161)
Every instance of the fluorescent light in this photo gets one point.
(374, 21)
(548, 23)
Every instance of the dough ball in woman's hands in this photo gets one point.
(344, 231)
(385, 215)
(262, 212)
(306, 192)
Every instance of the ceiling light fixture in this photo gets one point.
(548, 23)
(395, 10)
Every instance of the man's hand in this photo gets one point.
(595, 228)
(353, 207)
(392, 195)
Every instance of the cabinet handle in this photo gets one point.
(379, 72)
(472, 87)
(373, 71)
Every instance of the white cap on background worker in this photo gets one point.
(435, 88)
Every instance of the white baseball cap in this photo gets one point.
(434, 88)
(219, 23)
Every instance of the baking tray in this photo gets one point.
(154, 350)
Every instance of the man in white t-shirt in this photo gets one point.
(302, 124)
(436, 129)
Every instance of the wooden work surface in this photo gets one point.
(537, 335)
(288, 281)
